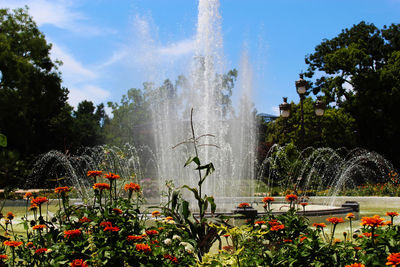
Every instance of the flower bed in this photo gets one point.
(112, 231)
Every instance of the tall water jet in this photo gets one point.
(205, 92)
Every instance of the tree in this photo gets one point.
(359, 71)
(88, 124)
(335, 129)
(32, 101)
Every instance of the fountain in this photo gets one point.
(228, 141)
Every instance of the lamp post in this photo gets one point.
(301, 88)
(284, 110)
(319, 107)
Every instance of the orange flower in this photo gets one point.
(10, 215)
(33, 207)
(39, 200)
(117, 211)
(69, 234)
(134, 238)
(287, 240)
(39, 227)
(84, 220)
(268, 199)
(132, 187)
(303, 204)
(291, 197)
(101, 186)
(111, 176)
(29, 245)
(319, 225)
(355, 265)
(302, 238)
(111, 229)
(106, 224)
(374, 221)
(175, 260)
(259, 222)
(369, 234)
(62, 189)
(12, 243)
(3, 257)
(28, 195)
(244, 205)
(350, 216)
(94, 173)
(156, 213)
(335, 220)
(143, 247)
(41, 250)
(169, 218)
(277, 227)
(151, 232)
(392, 214)
(273, 222)
(79, 263)
(393, 259)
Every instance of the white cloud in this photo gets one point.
(59, 13)
(87, 92)
(71, 68)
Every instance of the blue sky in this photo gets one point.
(110, 46)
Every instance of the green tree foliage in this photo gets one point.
(32, 100)
(359, 71)
(335, 129)
(130, 122)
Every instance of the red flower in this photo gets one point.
(3, 257)
(151, 232)
(111, 229)
(62, 189)
(134, 238)
(393, 259)
(143, 247)
(106, 224)
(132, 187)
(355, 265)
(117, 211)
(320, 225)
(29, 245)
(287, 240)
(350, 216)
(101, 186)
(303, 204)
(259, 222)
(171, 258)
(94, 173)
(39, 200)
(277, 227)
(244, 205)
(392, 214)
(268, 199)
(374, 221)
(111, 176)
(291, 197)
(12, 243)
(79, 263)
(69, 234)
(33, 207)
(84, 220)
(302, 238)
(41, 250)
(274, 222)
(335, 220)
(28, 195)
(156, 213)
(39, 227)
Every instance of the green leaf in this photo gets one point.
(193, 159)
(3, 140)
(194, 190)
(185, 209)
(212, 204)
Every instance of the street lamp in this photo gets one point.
(284, 108)
(319, 107)
(301, 88)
